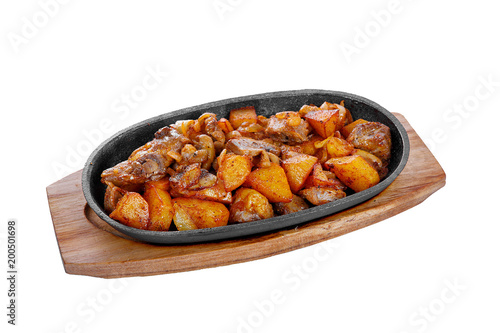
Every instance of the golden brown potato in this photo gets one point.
(292, 118)
(233, 170)
(271, 182)
(162, 184)
(182, 220)
(345, 116)
(249, 205)
(297, 169)
(346, 130)
(296, 205)
(242, 115)
(374, 161)
(354, 171)
(321, 195)
(192, 213)
(324, 122)
(132, 210)
(160, 208)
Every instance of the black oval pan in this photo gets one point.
(120, 146)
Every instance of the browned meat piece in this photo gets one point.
(166, 132)
(321, 195)
(153, 164)
(149, 162)
(296, 205)
(193, 182)
(192, 177)
(168, 142)
(215, 192)
(263, 152)
(125, 174)
(374, 138)
(288, 127)
(251, 147)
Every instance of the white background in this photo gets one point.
(66, 66)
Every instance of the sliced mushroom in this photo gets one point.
(206, 143)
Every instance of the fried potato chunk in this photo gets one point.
(354, 171)
(347, 129)
(345, 116)
(160, 208)
(374, 161)
(271, 182)
(242, 115)
(337, 147)
(297, 169)
(324, 122)
(249, 205)
(132, 210)
(190, 213)
(162, 184)
(233, 170)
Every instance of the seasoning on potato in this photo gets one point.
(209, 172)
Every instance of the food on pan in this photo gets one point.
(209, 172)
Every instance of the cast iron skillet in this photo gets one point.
(120, 146)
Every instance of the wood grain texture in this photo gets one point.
(89, 246)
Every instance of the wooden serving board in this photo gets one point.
(89, 246)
